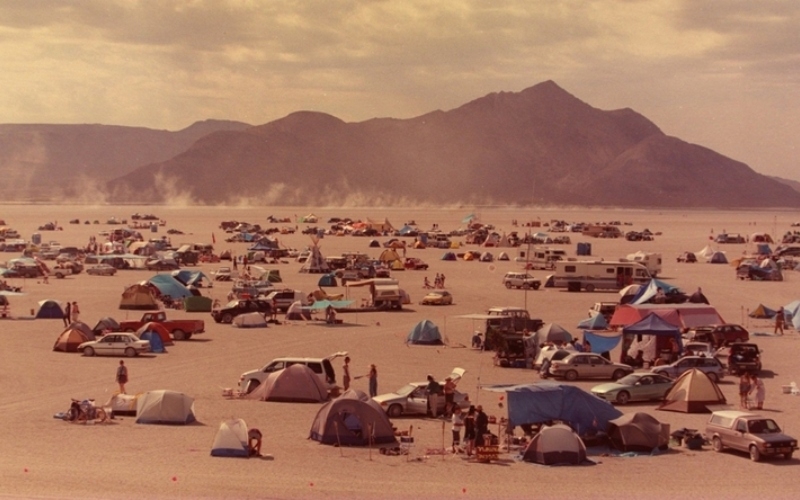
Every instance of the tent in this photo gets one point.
(170, 286)
(138, 296)
(717, 258)
(555, 445)
(192, 278)
(486, 257)
(197, 303)
(165, 407)
(653, 324)
(315, 263)
(83, 328)
(680, 315)
(374, 244)
(250, 320)
(705, 253)
(646, 293)
(792, 313)
(388, 255)
(628, 294)
(297, 383)
(425, 333)
(502, 256)
(296, 312)
(596, 322)
(449, 256)
(542, 402)
(231, 439)
(155, 329)
(602, 341)
(762, 312)
(122, 404)
(69, 340)
(352, 419)
(551, 332)
(328, 280)
(50, 309)
(106, 324)
(638, 432)
(692, 392)
(156, 344)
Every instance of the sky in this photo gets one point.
(723, 74)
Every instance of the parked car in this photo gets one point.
(695, 348)
(720, 334)
(438, 298)
(687, 257)
(411, 399)
(635, 387)
(758, 435)
(102, 270)
(588, 365)
(605, 308)
(415, 264)
(115, 344)
(241, 306)
(710, 366)
(521, 280)
(285, 298)
(323, 367)
(744, 357)
(162, 265)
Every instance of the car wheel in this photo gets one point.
(88, 351)
(755, 455)
(179, 334)
(623, 397)
(130, 352)
(508, 284)
(716, 444)
(536, 286)
(590, 288)
(395, 411)
(571, 375)
(618, 374)
(787, 456)
(227, 318)
(713, 377)
(525, 286)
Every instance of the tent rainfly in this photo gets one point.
(231, 440)
(692, 392)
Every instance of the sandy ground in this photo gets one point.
(48, 458)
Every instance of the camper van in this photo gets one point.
(541, 258)
(575, 275)
(650, 260)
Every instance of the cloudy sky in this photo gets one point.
(724, 74)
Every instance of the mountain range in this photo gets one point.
(540, 146)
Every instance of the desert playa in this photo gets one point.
(43, 457)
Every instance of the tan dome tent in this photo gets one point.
(297, 383)
(353, 419)
(250, 320)
(692, 392)
(139, 297)
(231, 440)
(165, 407)
(70, 339)
(638, 432)
(556, 445)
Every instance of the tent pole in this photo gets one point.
(369, 440)
(443, 448)
(338, 441)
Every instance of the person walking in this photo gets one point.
(758, 391)
(780, 318)
(67, 314)
(122, 376)
(346, 373)
(373, 380)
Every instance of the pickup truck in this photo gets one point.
(181, 329)
(758, 435)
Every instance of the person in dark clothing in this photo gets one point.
(67, 314)
(481, 426)
(469, 431)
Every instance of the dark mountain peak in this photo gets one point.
(306, 122)
(203, 127)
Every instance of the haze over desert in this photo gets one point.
(46, 457)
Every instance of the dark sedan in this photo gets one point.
(241, 306)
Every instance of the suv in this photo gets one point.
(521, 280)
(744, 358)
(241, 306)
(283, 299)
(720, 334)
(248, 381)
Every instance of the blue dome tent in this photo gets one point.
(425, 333)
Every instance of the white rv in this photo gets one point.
(541, 258)
(577, 275)
(650, 260)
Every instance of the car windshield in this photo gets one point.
(765, 426)
(629, 380)
(406, 390)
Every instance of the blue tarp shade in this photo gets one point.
(596, 322)
(648, 292)
(601, 343)
(653, 324)
(545, 401)
(337, 304)
(425, 333)
(168, 285)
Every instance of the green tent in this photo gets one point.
(197, 303)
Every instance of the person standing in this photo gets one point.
(449, 394)
(346, 373)
(744, 390)
(373, 380)
(481, 426)
(76, 311)
(433, 389)
(469, 431)
(458, 423)
(67, 314)
(758, 391)
(122, 376)
(780, 318)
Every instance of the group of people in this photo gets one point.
(71, 313)
(475, 425)
(438, 281)
(752, 392)
(372, 376)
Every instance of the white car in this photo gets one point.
(115, 344)
(248, 381)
